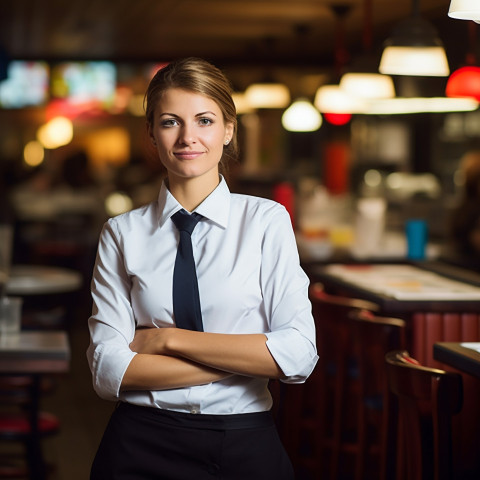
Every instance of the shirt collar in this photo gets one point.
(216, 207)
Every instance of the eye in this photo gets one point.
(169, 122)
(205, 121)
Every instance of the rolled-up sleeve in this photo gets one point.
(291, 339)
(112, 323)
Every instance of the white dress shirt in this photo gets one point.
(250, 281)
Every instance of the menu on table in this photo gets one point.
(472, 346)
(404, 282)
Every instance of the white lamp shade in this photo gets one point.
(465, 10)
(301, 116)
(333, 99)
(241, 103)
(267, 95)
(416, 61)
(367, 85)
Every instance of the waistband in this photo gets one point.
(200, 420)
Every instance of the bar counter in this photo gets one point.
(439, 302)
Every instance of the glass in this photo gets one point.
(417, 233)
(10, 315)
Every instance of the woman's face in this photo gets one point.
(189, 134)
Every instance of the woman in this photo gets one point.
(195, 404)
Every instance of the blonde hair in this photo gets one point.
(198, 76)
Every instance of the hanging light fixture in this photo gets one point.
(362, 79)
(333, 102)
(301, 116)
(465, 10)
(465, 82)
(241, 104)
(414, 49)
(333, 99)
(368, 85)
(267, 95)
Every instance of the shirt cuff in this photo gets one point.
(294, 354)
(109, 366)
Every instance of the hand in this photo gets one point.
(151, 340)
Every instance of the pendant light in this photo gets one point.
(267, 95)
(332, 101)
(363, 79)
(465, 10)
(414, 49)
(301, 116)
(465, 82)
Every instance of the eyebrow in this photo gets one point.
(197, 115)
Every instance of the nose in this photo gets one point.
(187, 135)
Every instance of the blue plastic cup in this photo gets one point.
(417, 237)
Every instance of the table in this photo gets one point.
(49, 294)
(405, 287)
(35, 354)
(438, 302)
(42, 280)
(464, 356)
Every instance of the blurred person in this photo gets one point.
(464, 228)
(193, 401)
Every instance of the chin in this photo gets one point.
(194, 172)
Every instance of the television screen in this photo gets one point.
(26, 85)
(84, 82)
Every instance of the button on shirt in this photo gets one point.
(250, 281)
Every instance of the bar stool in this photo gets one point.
(316, 430)
(421, 408)
(374, 336)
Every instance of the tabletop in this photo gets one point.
(42, 280)
(464, 356)
(34, 352)
(403, 287)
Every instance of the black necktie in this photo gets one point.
(186, 301)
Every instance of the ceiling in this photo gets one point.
(249, 35)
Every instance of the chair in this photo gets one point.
(17, 418)
(332, 422)
(422, 405)
(373, 337)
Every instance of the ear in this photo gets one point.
(229, 130)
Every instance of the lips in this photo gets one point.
(187, 155)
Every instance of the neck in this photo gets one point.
(190, 193)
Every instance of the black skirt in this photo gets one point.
(143, 443)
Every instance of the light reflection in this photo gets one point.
(117, 203)
(55, 133)
(372, 178)
(33, 153)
